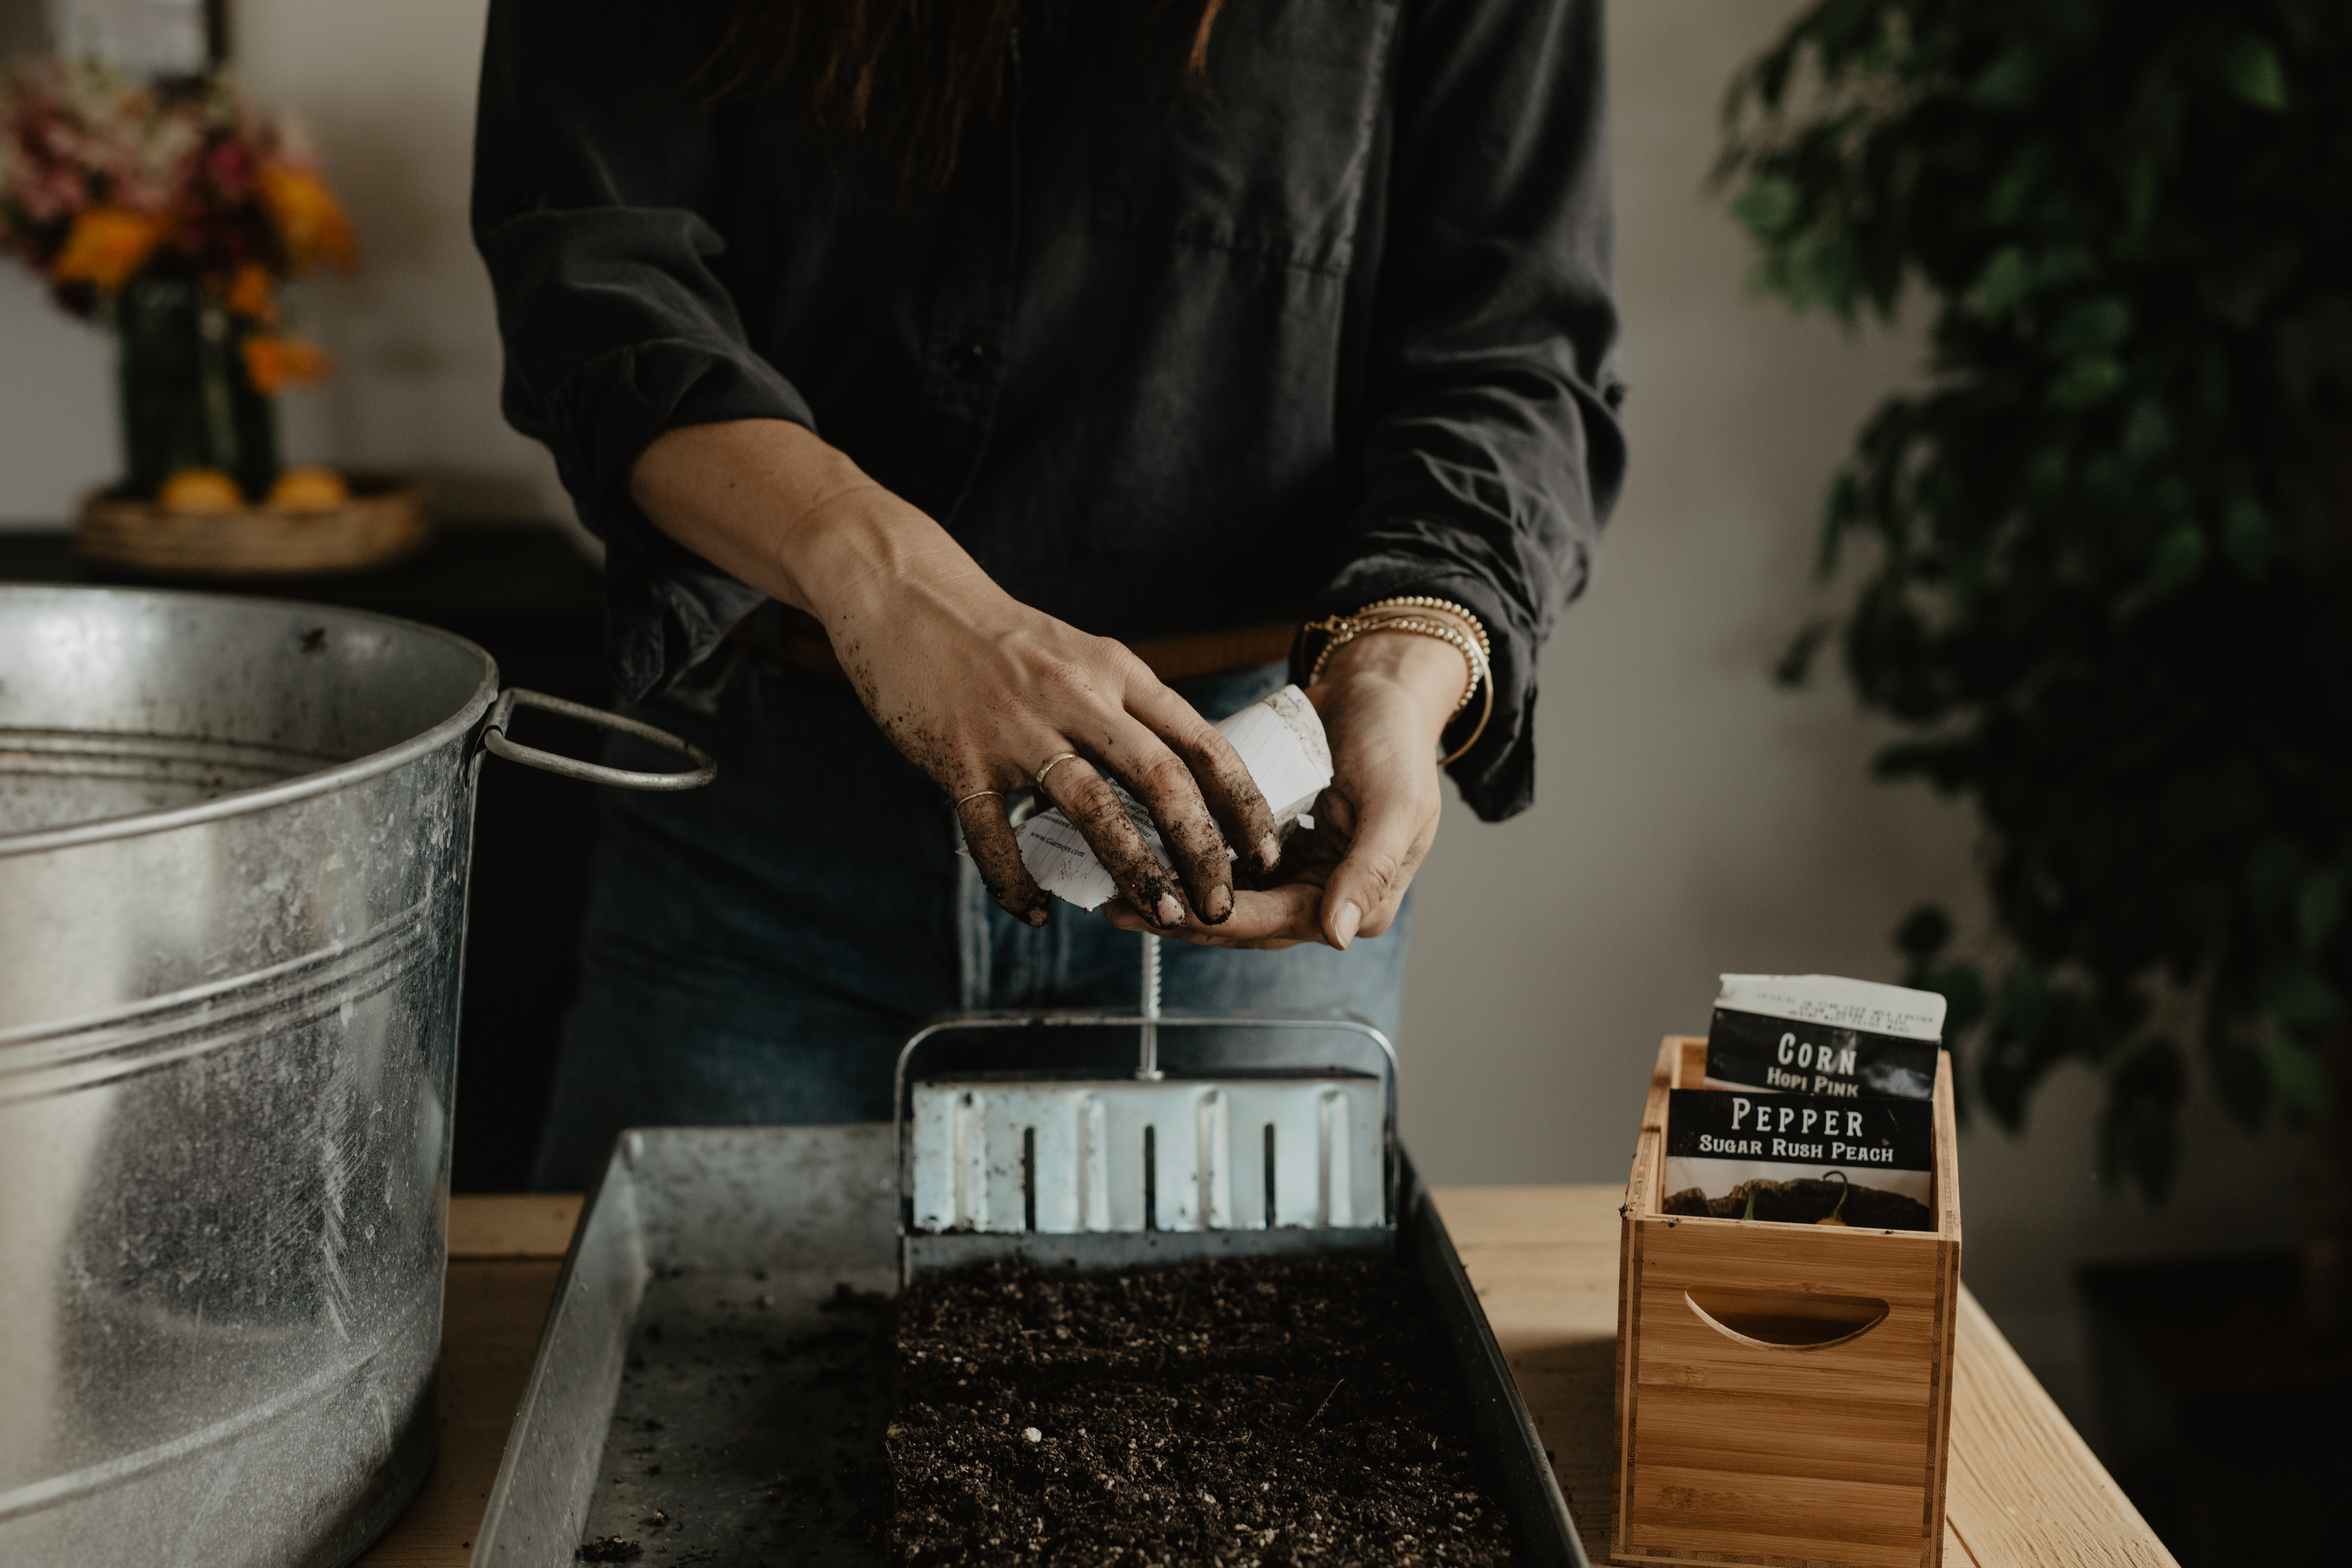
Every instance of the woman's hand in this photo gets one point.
(977, 690)
(1384, 698)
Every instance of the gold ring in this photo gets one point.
(1055, 760)
(975, 796)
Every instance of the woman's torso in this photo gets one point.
(1119, 354)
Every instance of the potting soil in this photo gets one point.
(1263, 1411)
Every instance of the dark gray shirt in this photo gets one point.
(1164, 360)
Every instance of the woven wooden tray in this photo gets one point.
(386, 519)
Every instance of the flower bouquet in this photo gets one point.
(173, 212)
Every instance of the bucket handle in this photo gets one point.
(493, 740)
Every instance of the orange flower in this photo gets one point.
(249, 294)
(310, 221)
(106, 246)
(275, 362)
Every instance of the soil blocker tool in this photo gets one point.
(1278, 1136)
(1101, 1141)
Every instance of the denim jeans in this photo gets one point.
(759, 950)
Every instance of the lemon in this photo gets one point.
(308, 489)
(206, 492)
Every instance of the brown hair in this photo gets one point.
(923, 74)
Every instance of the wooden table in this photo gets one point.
(2025, 1489)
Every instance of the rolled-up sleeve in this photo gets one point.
(1491, 451)
(596, 170)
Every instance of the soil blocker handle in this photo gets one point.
(493, 740)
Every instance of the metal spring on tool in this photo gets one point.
(1148, 1061)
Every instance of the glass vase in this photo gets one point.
(187, 402)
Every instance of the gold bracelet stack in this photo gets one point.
(1419, 614)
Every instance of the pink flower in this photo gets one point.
(229, 164)
(50, 192)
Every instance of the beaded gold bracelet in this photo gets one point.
(1407, 606)
(1415, 603)
(1423, 616)
(1348, 631)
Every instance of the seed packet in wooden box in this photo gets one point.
(1784, 1386)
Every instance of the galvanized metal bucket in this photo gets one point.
(234, 839)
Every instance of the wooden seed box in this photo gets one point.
(1784, 1392)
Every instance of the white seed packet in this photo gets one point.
(1821, 1035)
(1282, 743)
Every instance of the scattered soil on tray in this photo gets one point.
(1250, 1411)
(1808, 1201)
(747, 1429)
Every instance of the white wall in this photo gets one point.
(1692, 818)
(58, 430)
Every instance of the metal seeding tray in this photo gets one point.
(659, 1382)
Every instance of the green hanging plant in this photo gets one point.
(2101, 557)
